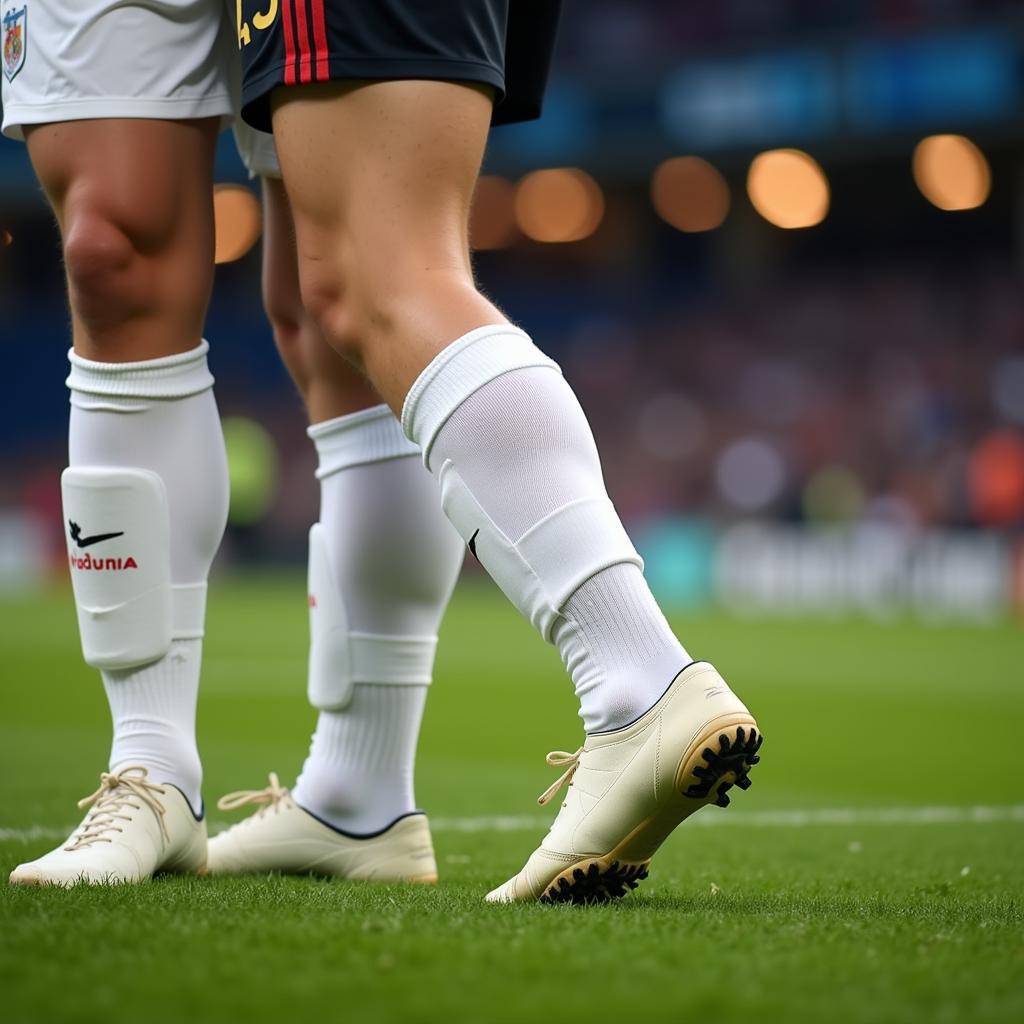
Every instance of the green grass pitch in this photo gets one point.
(906, 905)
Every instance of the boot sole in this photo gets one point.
(719, 759)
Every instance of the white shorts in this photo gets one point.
(257, 150)
(70, 60)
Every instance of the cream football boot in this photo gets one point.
(630, 788)
(134, 829)
(283, 837)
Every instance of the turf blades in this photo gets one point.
(596, 884)
(731, 758)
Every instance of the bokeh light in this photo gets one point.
(750, 473)
(561, 204)
(238, 221)
(252, 469)
(492, 223)
(995, 476)
(788, 188)
(834, 494)
(690, 194)
(671, 426)
(951, 172)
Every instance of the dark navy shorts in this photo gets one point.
(506, 44)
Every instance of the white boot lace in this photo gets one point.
(265, 799)
(558, 759)
(118, 792)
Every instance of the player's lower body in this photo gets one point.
(123, 146)
(383, 561)
(380, 113)
(122, 138)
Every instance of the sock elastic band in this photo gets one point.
(177, 376)
(371, 435)
(440, 389)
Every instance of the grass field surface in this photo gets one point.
(874, 872)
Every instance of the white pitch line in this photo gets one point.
(976, 815)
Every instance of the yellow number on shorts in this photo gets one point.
(262, 21)
(244, 37)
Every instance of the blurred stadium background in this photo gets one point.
(777, 247)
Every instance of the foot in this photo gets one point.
(630, 788)
(133, 830)
(283, 837)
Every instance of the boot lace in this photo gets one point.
(118, 792)
(560, 759)
(265, 799)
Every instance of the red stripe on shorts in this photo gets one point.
(289, 43)
(302, 31)
(323, 71)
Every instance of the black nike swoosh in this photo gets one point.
(472, 545)
(86, 541)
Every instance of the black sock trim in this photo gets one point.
(188, 803)
(359, 835)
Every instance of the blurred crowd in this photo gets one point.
(895, 395)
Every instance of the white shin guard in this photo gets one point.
(340, 657)
(119, 554)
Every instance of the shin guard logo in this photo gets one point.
(84, 542)
(96, 564)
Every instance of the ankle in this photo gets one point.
(618, 647)
(352, 804)
(175, 763)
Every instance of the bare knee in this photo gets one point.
(330, 306)
(134, 205)
(137, 285)
(291, 328)
(102, 263)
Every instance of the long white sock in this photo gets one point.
(521, 481)
(359, 773)
(159, 415)
(393, 560)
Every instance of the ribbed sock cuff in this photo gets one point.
(177, 376)
(459, 371)
(371, 435)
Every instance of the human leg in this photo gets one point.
(125, 156)
(380, 174)
(139, 267)
(519, 473)
(383, 561)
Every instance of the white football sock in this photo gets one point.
(393, 559)
(159, 415)
(359, 773)
(618, 648)
(521, 480)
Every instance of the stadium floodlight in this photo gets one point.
(690, 194)
(238, 222)
(788, 188)
(951, 172)
(559, 204)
